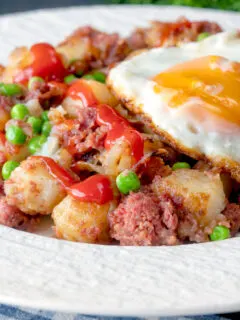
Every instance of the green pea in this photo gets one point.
(44, 116)
(128, 181)
(16, 135)
(220, 233)
(19, 111)
(46, 128)
(34, 79)
(88, 77)
(203, 36)
(99, 76)
(36, 124)
(70, 78)
(10, 89)
(8, 168)
(181, 165)
(36, 143)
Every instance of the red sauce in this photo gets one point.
(46, 64)
(3, 153)
(80, 90)
(2, 138)
(107, 115)
(118, 128)
(94, 189)
(58, 172)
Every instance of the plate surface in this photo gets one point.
(41, 272)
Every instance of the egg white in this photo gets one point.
(211, 136)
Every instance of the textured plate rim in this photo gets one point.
(22, 253)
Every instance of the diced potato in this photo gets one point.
(101, 92)
(63, 157)
(4, 117)
(117, 159)
(82, 221)
(76, 49)
(33, 189)
(197, 192)
(71, 108)
(52, 149)
(18, 60)
(225, 177)
(34, 107)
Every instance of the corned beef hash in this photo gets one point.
(138, 152)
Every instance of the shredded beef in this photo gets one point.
(141, 219)
(81, 135)
(104, 49)
(11, 216)
(147, 169)
(6, 102)
(232, 213)
(48, 94)
(168, 34)
(137, 39)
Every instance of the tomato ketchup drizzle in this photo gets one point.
(2, 138)
(80, 90)
(46, 64)
(58, 172)
(119, 127)
(94, 189)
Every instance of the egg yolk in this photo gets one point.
(212, 79)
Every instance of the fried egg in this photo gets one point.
(190, 95)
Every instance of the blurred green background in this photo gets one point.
(7, 6)
(220, 4)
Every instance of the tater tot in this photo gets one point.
(82, 221)
(32, 189)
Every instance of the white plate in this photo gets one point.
(41, 272)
